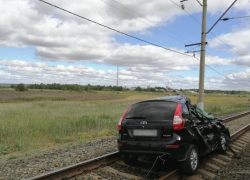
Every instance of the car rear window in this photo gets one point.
(153, 110)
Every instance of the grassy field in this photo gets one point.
(34, 119)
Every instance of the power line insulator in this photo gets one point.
(225, 19)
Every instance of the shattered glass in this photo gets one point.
(203, 113)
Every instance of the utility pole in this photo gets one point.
(117, 83)
(202, 57)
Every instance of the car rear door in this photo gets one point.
(149, 120)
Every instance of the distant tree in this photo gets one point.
(12, 86)
(151, 90)
(138, 88)
(21, 87)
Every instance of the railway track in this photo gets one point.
(106, 163)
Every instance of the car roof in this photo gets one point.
(181, 99)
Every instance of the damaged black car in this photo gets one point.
(173, 127)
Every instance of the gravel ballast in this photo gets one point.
(237, 124)
(238, 169)
(49, 160)
(24, 165)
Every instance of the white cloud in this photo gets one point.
(59, 36)
(151, 58)
(236, 80)
(242, 61)
(15, 72)
(148, 58)
(237, 39)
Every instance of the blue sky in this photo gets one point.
(40, 42)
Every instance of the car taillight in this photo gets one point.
(120, 122)
(178, 121)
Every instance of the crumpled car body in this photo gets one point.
(171, 127)
(208, 129)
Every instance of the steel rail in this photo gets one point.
(241, 131)
(69, 171)
(235, 116)
(76, 169)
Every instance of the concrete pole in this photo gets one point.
(117, 83)
(202, 58)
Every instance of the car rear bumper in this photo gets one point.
(152, 149)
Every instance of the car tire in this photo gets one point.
(129, 159)
(190, 165)
(223, 143)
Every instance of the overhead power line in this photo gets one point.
(211, 32)
(215, 37)
(221, 17)
(199, 3)
(223, 74)
(170, 31)
(186, 12)
(190, 50)
(132, 36)
(150, 20)
(139, 39)
(142, 21)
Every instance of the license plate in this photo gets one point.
(145, 132)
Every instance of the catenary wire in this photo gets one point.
(139, 39)
(186, 12)
(223, 74)
(133, 37)
(150, 20)
(211, 32)
(221, 17)
(199, 3)
(143, 21)
(193, 48)
(215, 37)
(195, 20)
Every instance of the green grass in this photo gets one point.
(46, 122)
(30, 125)
(30, 99)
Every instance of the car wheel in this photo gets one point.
(129, 159)
(190, 165)
(223, 143)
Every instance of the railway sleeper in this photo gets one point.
(116, 172)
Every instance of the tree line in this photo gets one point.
(76, 87)
(207, 91)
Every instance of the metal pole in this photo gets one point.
(202, 58)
